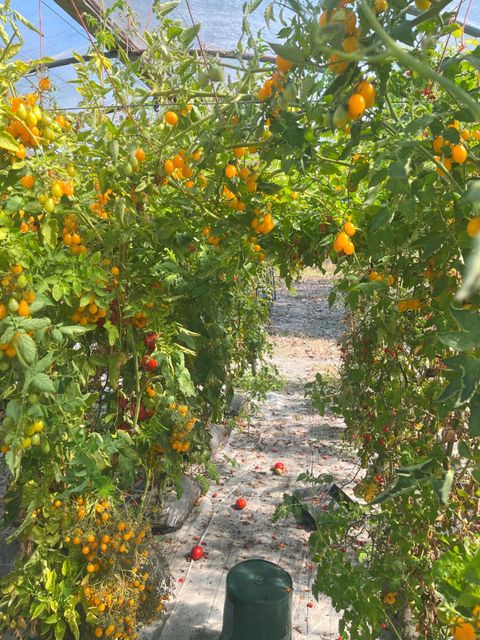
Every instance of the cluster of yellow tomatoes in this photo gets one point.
(105, 542)
(30, 125)
(18, 300)
(345, 18)
(179, 167)
(180, 437)
(211, 238)
(342, 240)
(98, 207)
(140, 320)
(277, 85)
(71, 235)
(89, 313)
(237, 173)
(262, 223)
(449, 153)
(31, 436)
(410, 304)
(375, 276)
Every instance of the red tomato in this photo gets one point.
(241, 503)
(197, 552)
(150, 340)
(150, 364)
(279, 468)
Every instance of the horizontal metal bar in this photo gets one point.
(65, 62)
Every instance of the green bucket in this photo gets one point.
(258, 602)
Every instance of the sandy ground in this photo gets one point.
(304, 333)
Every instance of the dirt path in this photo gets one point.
(304, 333)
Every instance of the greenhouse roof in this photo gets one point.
(221, 23)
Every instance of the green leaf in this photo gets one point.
(189, 34)
(443, 486)
(74, 330)
(49, 231)
(254, 4)
(471, 276)
(464, 449)
(26, 349)
(71, 616)
(57, 291)
(112, 333)
(470, 378)
(24, 21)
(41, 382)
(293, 54)
(382, 218)
(8, 142)
(474, 421)
(461, 341)
(33, 324)
(163, 8)
(404, 33)
(4, 35)
(60, 630)
(37, 610)
(472, 194)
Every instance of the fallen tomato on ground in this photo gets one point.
(241, 503)
(197, 552)
(279, 468)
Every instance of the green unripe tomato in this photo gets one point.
(56, 190)
(340, 117)
(4, 366)
(202, 79)
(33, 398)
(47, 120)
(31, 120)
(46, 446)
(127, 169)
(49, 134)
(36, 440)
(22, 281)
(49, 205)
(29, 430)
(8, 422)
(13, 305)
(216, 74)
(22, 112)
(37, 112)
(70, 170)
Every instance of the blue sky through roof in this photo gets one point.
(221, 28)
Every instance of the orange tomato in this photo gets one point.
(367, 90)
(140, 155)
(459, 153)
(27, 181)
(356, 106)
(230, 171)
(171, 118)
(283, 64)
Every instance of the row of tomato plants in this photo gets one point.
(398, 178)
